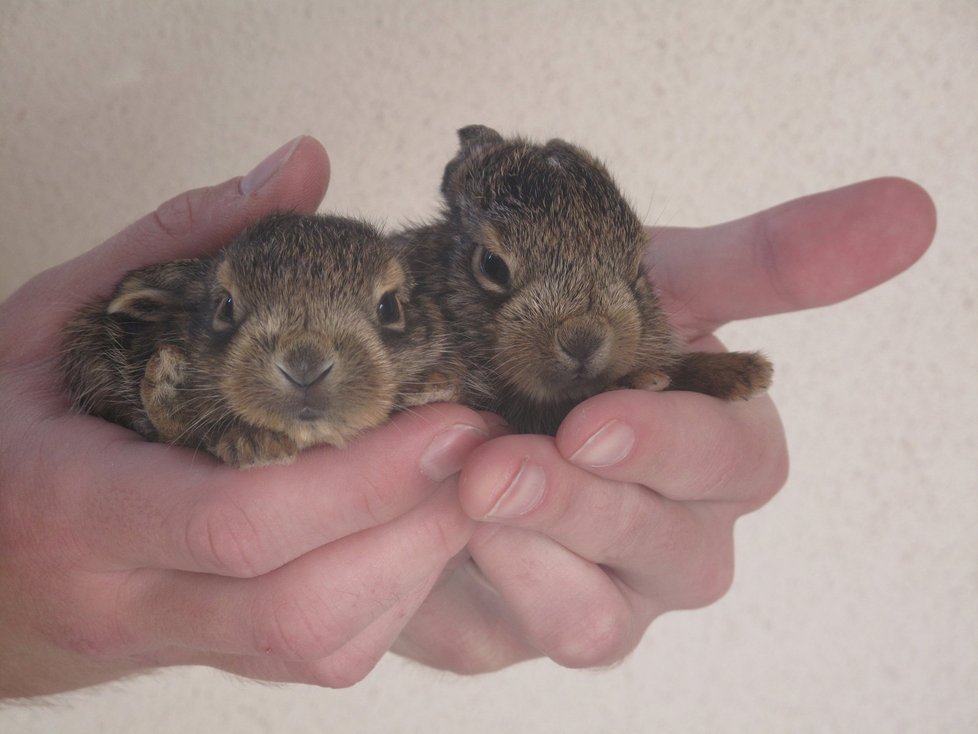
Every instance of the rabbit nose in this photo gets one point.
(583, 343)
(304, 368)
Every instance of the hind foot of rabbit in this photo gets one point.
(725, 375)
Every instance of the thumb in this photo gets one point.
(201, 221)
(812, 251)
(194, 223)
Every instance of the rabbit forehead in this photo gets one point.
(540, 201)
(302, 269)
(543, 249)
(554, 177)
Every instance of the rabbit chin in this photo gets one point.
(327, 427)
(549, 390)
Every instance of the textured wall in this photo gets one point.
(856, 602)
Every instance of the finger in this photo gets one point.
(347, 665)
(192, 224)
(353, 661)
(680, 552)
(201, 221)
(151, 505)
(566, 607)
(685, 446)
(524, 482)
(812, 251)
(464, 626)
(310, 608)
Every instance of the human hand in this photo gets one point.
(118, 555)
(629, 511)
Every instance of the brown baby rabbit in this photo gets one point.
(537, 263)
(304, 330)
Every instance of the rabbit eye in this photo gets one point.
(224, 317)
(493, 267)
(388, 309)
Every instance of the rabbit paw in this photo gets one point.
(246, 448)
(160, 389)
(652, 380)
(726, 375)
(436, 387)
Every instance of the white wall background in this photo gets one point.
(855, 607)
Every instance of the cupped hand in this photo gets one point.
(629, 511)
(118, 555)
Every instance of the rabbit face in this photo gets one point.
(307, 331)
(546, 269)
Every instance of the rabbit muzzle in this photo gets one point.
(582, 349)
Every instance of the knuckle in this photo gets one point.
(769, 462)
(437, 534)
(473, 658)
(92, 640)
(724, 459)
(660, 532)
(95, 630)
(712, 585)
(343, 669)
(470, 650)
(294, 628)
(441, 531)
(709, 578)
(600, 635)
(770, 256)
(223, 537)
(777, 476)
(374, 500)
(175, 217)
(637, 523)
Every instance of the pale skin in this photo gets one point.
(119, 556)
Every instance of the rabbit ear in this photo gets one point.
(473, 136)
(150, 294)
(142, 303)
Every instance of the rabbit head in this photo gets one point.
(301, 326)
(546, 271)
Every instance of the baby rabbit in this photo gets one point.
(304, 330)
(537, 262)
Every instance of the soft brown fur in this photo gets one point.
(577, 314)
(300, 356)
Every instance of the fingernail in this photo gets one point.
(607, 446)
(523, 493)
(447, 451)
(260, 174)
